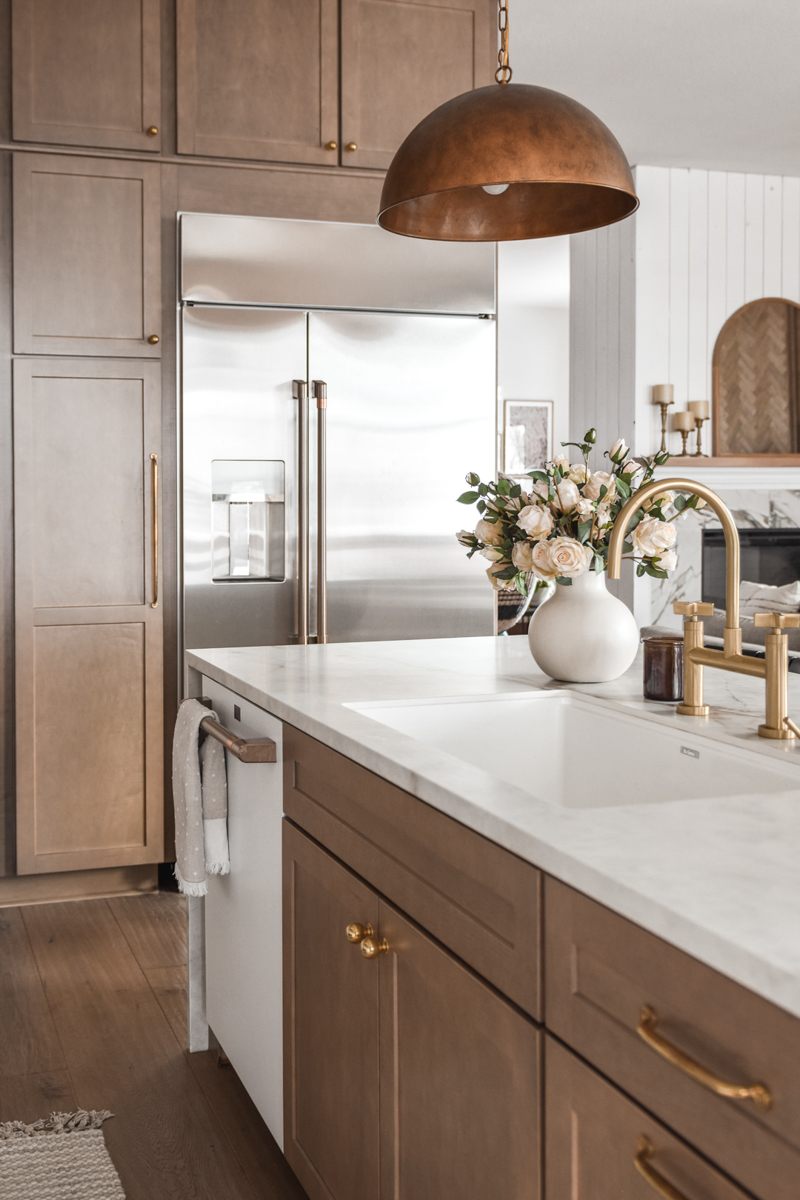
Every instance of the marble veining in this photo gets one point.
(751, 508)
(717, 878)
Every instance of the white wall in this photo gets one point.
(650, 295)
(707, 242)
(533, 291)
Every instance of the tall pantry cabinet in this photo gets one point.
(123, 113)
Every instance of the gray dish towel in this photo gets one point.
(200, 792)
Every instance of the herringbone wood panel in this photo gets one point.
(758, 385)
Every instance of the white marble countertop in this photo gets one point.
(717, 878)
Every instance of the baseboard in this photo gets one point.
(78, 885)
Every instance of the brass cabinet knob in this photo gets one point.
(152, 131)
(331, 145)
(153, 339)
(372, 948)
(356, 933)
(351, 146)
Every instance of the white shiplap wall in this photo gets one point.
(650, 295)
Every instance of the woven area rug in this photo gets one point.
(62, 1158)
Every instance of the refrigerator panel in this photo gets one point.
(331, 264)
(240, 453)
(410, 409)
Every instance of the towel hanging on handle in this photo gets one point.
(200, 792)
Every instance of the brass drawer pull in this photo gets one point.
(154, 461)
(658, 1183)
(356, 933)
(371, 947)
(734, 1091)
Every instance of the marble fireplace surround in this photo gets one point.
(758, 497)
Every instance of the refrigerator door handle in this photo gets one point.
(319, 390)
(300, 393)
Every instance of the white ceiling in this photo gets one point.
(689, 83)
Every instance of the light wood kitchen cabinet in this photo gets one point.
(87, 256)
(408, 1077)
(258, 79)
(89, 716)
(601, 973)
(596, 1137)
(87, 73)
(403, 58)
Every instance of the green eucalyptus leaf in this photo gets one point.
(564, 579)
(467, 498)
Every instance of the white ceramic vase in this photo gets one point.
(583, 634)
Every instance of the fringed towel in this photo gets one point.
(200, 792)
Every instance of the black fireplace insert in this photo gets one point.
(768, 556)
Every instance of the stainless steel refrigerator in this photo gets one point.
(337, 382)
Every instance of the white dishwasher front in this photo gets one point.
(244, 979)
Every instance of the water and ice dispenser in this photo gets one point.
(248, 503)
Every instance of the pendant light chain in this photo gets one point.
(503, 73)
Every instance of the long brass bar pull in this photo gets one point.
(646, 1029)
(319, 389)
(656, 1180)
(154, 462)
(300, 393)
(248, 750)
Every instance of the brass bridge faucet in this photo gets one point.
(773, 668)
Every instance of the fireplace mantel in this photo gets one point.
(738, 478)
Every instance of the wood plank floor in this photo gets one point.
(92, 1013)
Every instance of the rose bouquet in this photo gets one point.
(560, 528)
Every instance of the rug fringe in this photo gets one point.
(74, 1122)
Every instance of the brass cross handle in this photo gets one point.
(693, 608)
(777, 620)
(356, 933)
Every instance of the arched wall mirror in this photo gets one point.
(756, 380)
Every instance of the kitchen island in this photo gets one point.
(634, 865)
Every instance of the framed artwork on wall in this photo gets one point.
(527, 435)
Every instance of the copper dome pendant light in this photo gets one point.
(506, 162)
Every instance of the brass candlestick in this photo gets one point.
(683, 423)
(663, 396)
(699, 410)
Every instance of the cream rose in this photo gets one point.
(604, 514)
(667, 560)
(584, 508)
(618, 451)
(542, 489)
(540, 561)
(598, 480)
(536, 521)
(577, 473)
(664, 498)
(466, 538)
(651, 537)
(562, 462)
(567, 495)
(497, 584)
(493, 553)
(485, 531)
(568, 557)
(522, 556)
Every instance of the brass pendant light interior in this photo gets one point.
(505, 162)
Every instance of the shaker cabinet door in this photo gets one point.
(331, 1094)
(87, 256)
(258, 79)
(403, 58)
(460, 1078)
(87, 73)
(89, 655)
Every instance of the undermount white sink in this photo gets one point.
(568, 749)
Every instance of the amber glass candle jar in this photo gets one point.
(663, 667)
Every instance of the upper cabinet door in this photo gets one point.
(258, 79)
(403, 58)
(87, 72)
(87, 256)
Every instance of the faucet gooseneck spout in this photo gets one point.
(733, 633)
